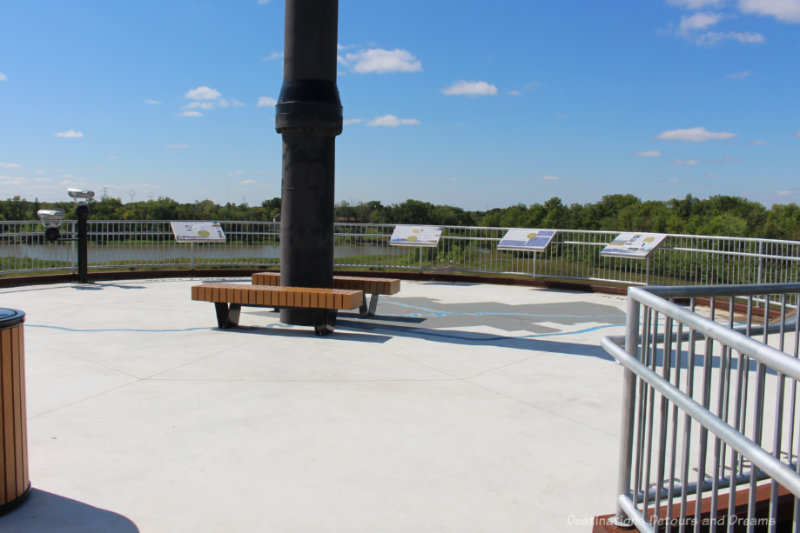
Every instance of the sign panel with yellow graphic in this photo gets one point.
(637, 245)
(532, 240)
(198, 231)
(415, 236)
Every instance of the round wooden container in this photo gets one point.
(14, 482)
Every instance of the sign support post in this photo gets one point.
(635, 246)
(527, 240)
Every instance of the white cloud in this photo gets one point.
(694, 135)
(689, 162)
(70, 134)
(551, 178)
(648, 153)
(248, 182)
(380, 61)
(784, 10)
(205, 106)
(203, 93)
(9, 165)
(470, 88)
(262, 2)
(693, 27)
(266, 101)
(152, 102)
(273, 56)
(797, 133)
(514, 92)
(758, 142)
(353, 121)
(3, 77)
(697, 21)
(177, 146)
(392, 121)
(714, 37)
(784, 193)
(673, 180)
(739, 75)
(206, 99)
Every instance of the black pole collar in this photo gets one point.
(310, 105)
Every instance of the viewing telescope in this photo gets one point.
(80, 195)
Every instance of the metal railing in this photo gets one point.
(572, 255)
(710, 408)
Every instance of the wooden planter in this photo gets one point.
(14, 482)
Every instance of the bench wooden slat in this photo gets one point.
(228, 298)
(264, 295)
(368, 285)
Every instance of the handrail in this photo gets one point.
(668, 348)
(756, 454)
(572, 255)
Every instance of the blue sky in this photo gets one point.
(473, 104)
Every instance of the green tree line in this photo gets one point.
(717, 215)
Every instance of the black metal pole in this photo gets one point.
(309, 117)
(82, 212)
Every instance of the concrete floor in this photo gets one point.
(459, 408)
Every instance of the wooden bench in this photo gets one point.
(228, 299)
(372, 286)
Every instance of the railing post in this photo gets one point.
(760, 261)
(82, 212)
(73, 252)
(628, 412)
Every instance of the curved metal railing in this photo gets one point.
(711, 416)
(572, 255)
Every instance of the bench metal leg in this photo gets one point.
(233, 315)
(373, 304)
(323, 321)
(227, 317)
(222, 314)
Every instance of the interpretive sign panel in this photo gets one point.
(415, 236)
(533, 240)
(198, 231)
(637, 245)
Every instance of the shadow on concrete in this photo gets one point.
(286, 330)
(474, 339)
(100, 286)
(345, 314)
(429, 319)
(509, 317)
(49, 513)
(733, 362)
